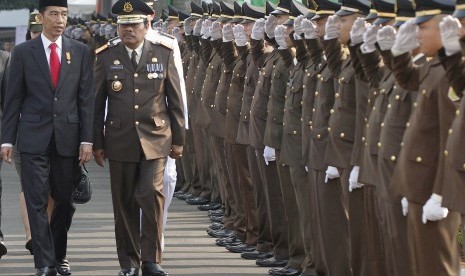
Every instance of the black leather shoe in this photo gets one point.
(216, 226)
(46, 271)
(271, 262)
(210, 206)
(219, 212)
(197, 201)
(178, 194)
(129, 272)
(152, 269)
(228, 241)
(63, 267)
(185, 196)
(216, 218)
(28, 246)
(256, 255)
(285, 271)
(3, 249)
(222, 233)
(240, 248)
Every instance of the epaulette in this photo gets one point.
(111, 43)
(167, 35)
(164, 41)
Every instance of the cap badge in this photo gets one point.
(128, 7)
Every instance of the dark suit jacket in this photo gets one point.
(35, 110)
(146, 114)
(4, 63)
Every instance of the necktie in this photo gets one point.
(133, 59)
(54, 64)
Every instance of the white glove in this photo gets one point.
(331, 173)
(258, 30)
(270, 24)
(269, 154)
(358, 29)
(333, 27)
(296, 36)
(216, 31)
(404, 203)
(187, 26)
(298, 25)
(239, 35)
(386, 37)
(309, 29)
(406, 39)
(176, 34)
(197, 31)
(306, 168)
(228, 33)
(450, 34)
(432, 209)
(206, 29)
(369, 39)
(279, 34)
(353, 179)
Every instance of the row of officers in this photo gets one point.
(329, 132)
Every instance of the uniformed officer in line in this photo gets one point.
(328, 199)
(139, 78)
(419, 175)
(266, 56)
(342, 123)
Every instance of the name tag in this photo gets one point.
(116, 67)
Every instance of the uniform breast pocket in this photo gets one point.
(116, 82)
(160, 121)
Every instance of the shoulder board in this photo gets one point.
(167, 35)
(111, 43)
(163, 42)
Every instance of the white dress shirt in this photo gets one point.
(46, 43)
(138, 52)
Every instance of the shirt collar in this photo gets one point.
(47, 42)
(138, 49)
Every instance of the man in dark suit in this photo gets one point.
(144, 124)
(49, 113)
(4, 58)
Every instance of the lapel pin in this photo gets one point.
(154, 59)
(116, 62)
(68, 57)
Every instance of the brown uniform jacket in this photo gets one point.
(145, 116)
(204, 51)
(291, 145)
(310, 80)
(259, 112)
(236, 90)
(274, 121)
(192, 64)
(454, 166)
(343, 114)
(218, 113)
(419, 170)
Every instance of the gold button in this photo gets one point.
(342, 135)
(395, 87)
(318, 136)
(301, 102)
(136, 75)
(292, 87)
(379, 144)
(446, 153)
(397, 97)
(457, 112)
(369, 101)
(316, 93)
(212, 106)
(337, 95)
(382, 91)
(331, 111)
(303, 86)
(329, 129)
(136, 90)
(389, 106)
(450, 131)
(137, 123)
(407, 124)
(319, 76)
(363, 139)
(415, 104)
(310, 123)
(418, 159)
(227, 110)
(115, 77)
(313, 109)
(382, 124)
(401, 144)
(423, 92)
(294, 132)
(374, 108)
(136, 107)
(464, 166)
(393, 158)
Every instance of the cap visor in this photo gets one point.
(245, 21)
(459, 14)
(310, 15)
(343, 12)
(289, 22)
(279, 12)
(382, 20)
(422, 19)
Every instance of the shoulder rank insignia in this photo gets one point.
(111, 43)
(167, 35)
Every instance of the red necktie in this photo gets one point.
(54, 64)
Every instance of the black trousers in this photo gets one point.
(42, 174)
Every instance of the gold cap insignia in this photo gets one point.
(128, 7)
(154, 59)
(116, 62)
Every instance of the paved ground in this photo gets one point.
(91, 250)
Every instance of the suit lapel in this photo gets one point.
(145, 55)
(41, 60)
(66, 52)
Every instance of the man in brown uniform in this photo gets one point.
(342, 123)
(418, 176)
(137, 145)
